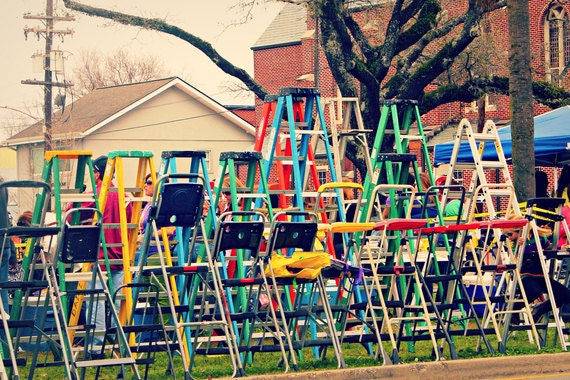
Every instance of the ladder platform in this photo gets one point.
(298, 91)
(186, 269)
(183, 154)
(241, 156)
(396, 157)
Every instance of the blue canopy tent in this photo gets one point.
(551, 142)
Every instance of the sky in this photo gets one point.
(217, 22)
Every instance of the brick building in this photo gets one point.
(284, 55)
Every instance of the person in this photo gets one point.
(111, 214)
(7, 245)
(452, 207)
(563, 184)
(418, 206)
(15, 271)
(143, 219)
(541, 184)
(533, 279)
(225, 201)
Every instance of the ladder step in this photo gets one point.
(485, 137)
(104, 362)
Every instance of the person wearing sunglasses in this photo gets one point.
(533, 279)
(149, 187)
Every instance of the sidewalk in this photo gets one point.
(486, 368)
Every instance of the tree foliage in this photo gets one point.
(97, 70)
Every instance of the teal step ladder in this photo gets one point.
(299, 128)
(249, 195)
(400, 123)
(194, 162)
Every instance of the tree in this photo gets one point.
(520, 88)
(418, 40)
(96, 70)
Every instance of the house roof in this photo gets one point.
(286, 29)
(105, 104)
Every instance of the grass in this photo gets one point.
(207, 367)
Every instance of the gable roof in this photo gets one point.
(287, 28)
(106, 104)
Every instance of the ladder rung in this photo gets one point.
(74, 197)
(354, 132)
(412, 137)
(118, 225)
(297, 124)
(104, 362)
(492, 165)
(126, 190)
(484, 137)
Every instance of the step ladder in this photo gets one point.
(296, 126)
(400, 124)
(541, 211)
(248, 196)
(260, 326)
(130, 198)
(400, 304)
(79, 243)
(346, 125)
(180, 204)
(191, 162)
(493, 267)
(483, 160)
(26, 326)
(307, 310)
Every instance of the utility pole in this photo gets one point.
(48, 32)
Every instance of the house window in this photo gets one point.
(490, 104)
(323, 176)
(557, 39)
(37, 155)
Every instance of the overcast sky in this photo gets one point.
(210, 20)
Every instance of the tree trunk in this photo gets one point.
(520, 88)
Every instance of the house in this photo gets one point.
(159, 115)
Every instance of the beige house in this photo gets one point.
(160, 115)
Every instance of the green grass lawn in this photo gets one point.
(354, 354)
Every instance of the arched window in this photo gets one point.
(557, 38)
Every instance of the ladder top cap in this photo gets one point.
(270, 98)
(298, 91)
(130, 153)
(243, 156)
(183, 153)
(66, 154)
(396, 157)
(547, 203)
(391, 102)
